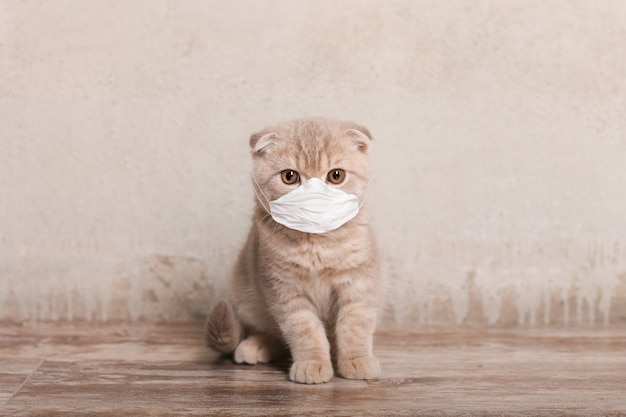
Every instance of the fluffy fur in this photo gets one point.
(314, 295)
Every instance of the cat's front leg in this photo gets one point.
(355, 327)
(309, 346)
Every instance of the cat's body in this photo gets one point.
(314, 294)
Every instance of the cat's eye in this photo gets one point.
(290, 176)
(336, 176)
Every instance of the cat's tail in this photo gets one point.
(223, 330)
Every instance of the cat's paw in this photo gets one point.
(252, 351)
(365, 367)
(311, 372)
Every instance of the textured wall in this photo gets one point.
(500, 150)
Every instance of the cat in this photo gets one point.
(313, 295)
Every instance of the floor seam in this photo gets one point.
(24, 382)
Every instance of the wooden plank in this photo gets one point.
(13, 373)
(439, 372)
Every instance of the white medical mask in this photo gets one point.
(313, 207)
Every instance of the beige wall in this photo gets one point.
(500, 151)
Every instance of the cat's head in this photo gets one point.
(287, 155)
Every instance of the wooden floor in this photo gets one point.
(149, 370)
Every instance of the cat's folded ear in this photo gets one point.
(262, 142)
(360, 136)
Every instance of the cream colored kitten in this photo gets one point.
(315, 294)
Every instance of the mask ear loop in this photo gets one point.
(259, 198)
(366, 190)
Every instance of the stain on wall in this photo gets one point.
(158, 288)
(562, 282)
(173, 288)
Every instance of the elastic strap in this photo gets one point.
(366, 194)
(257, 195)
